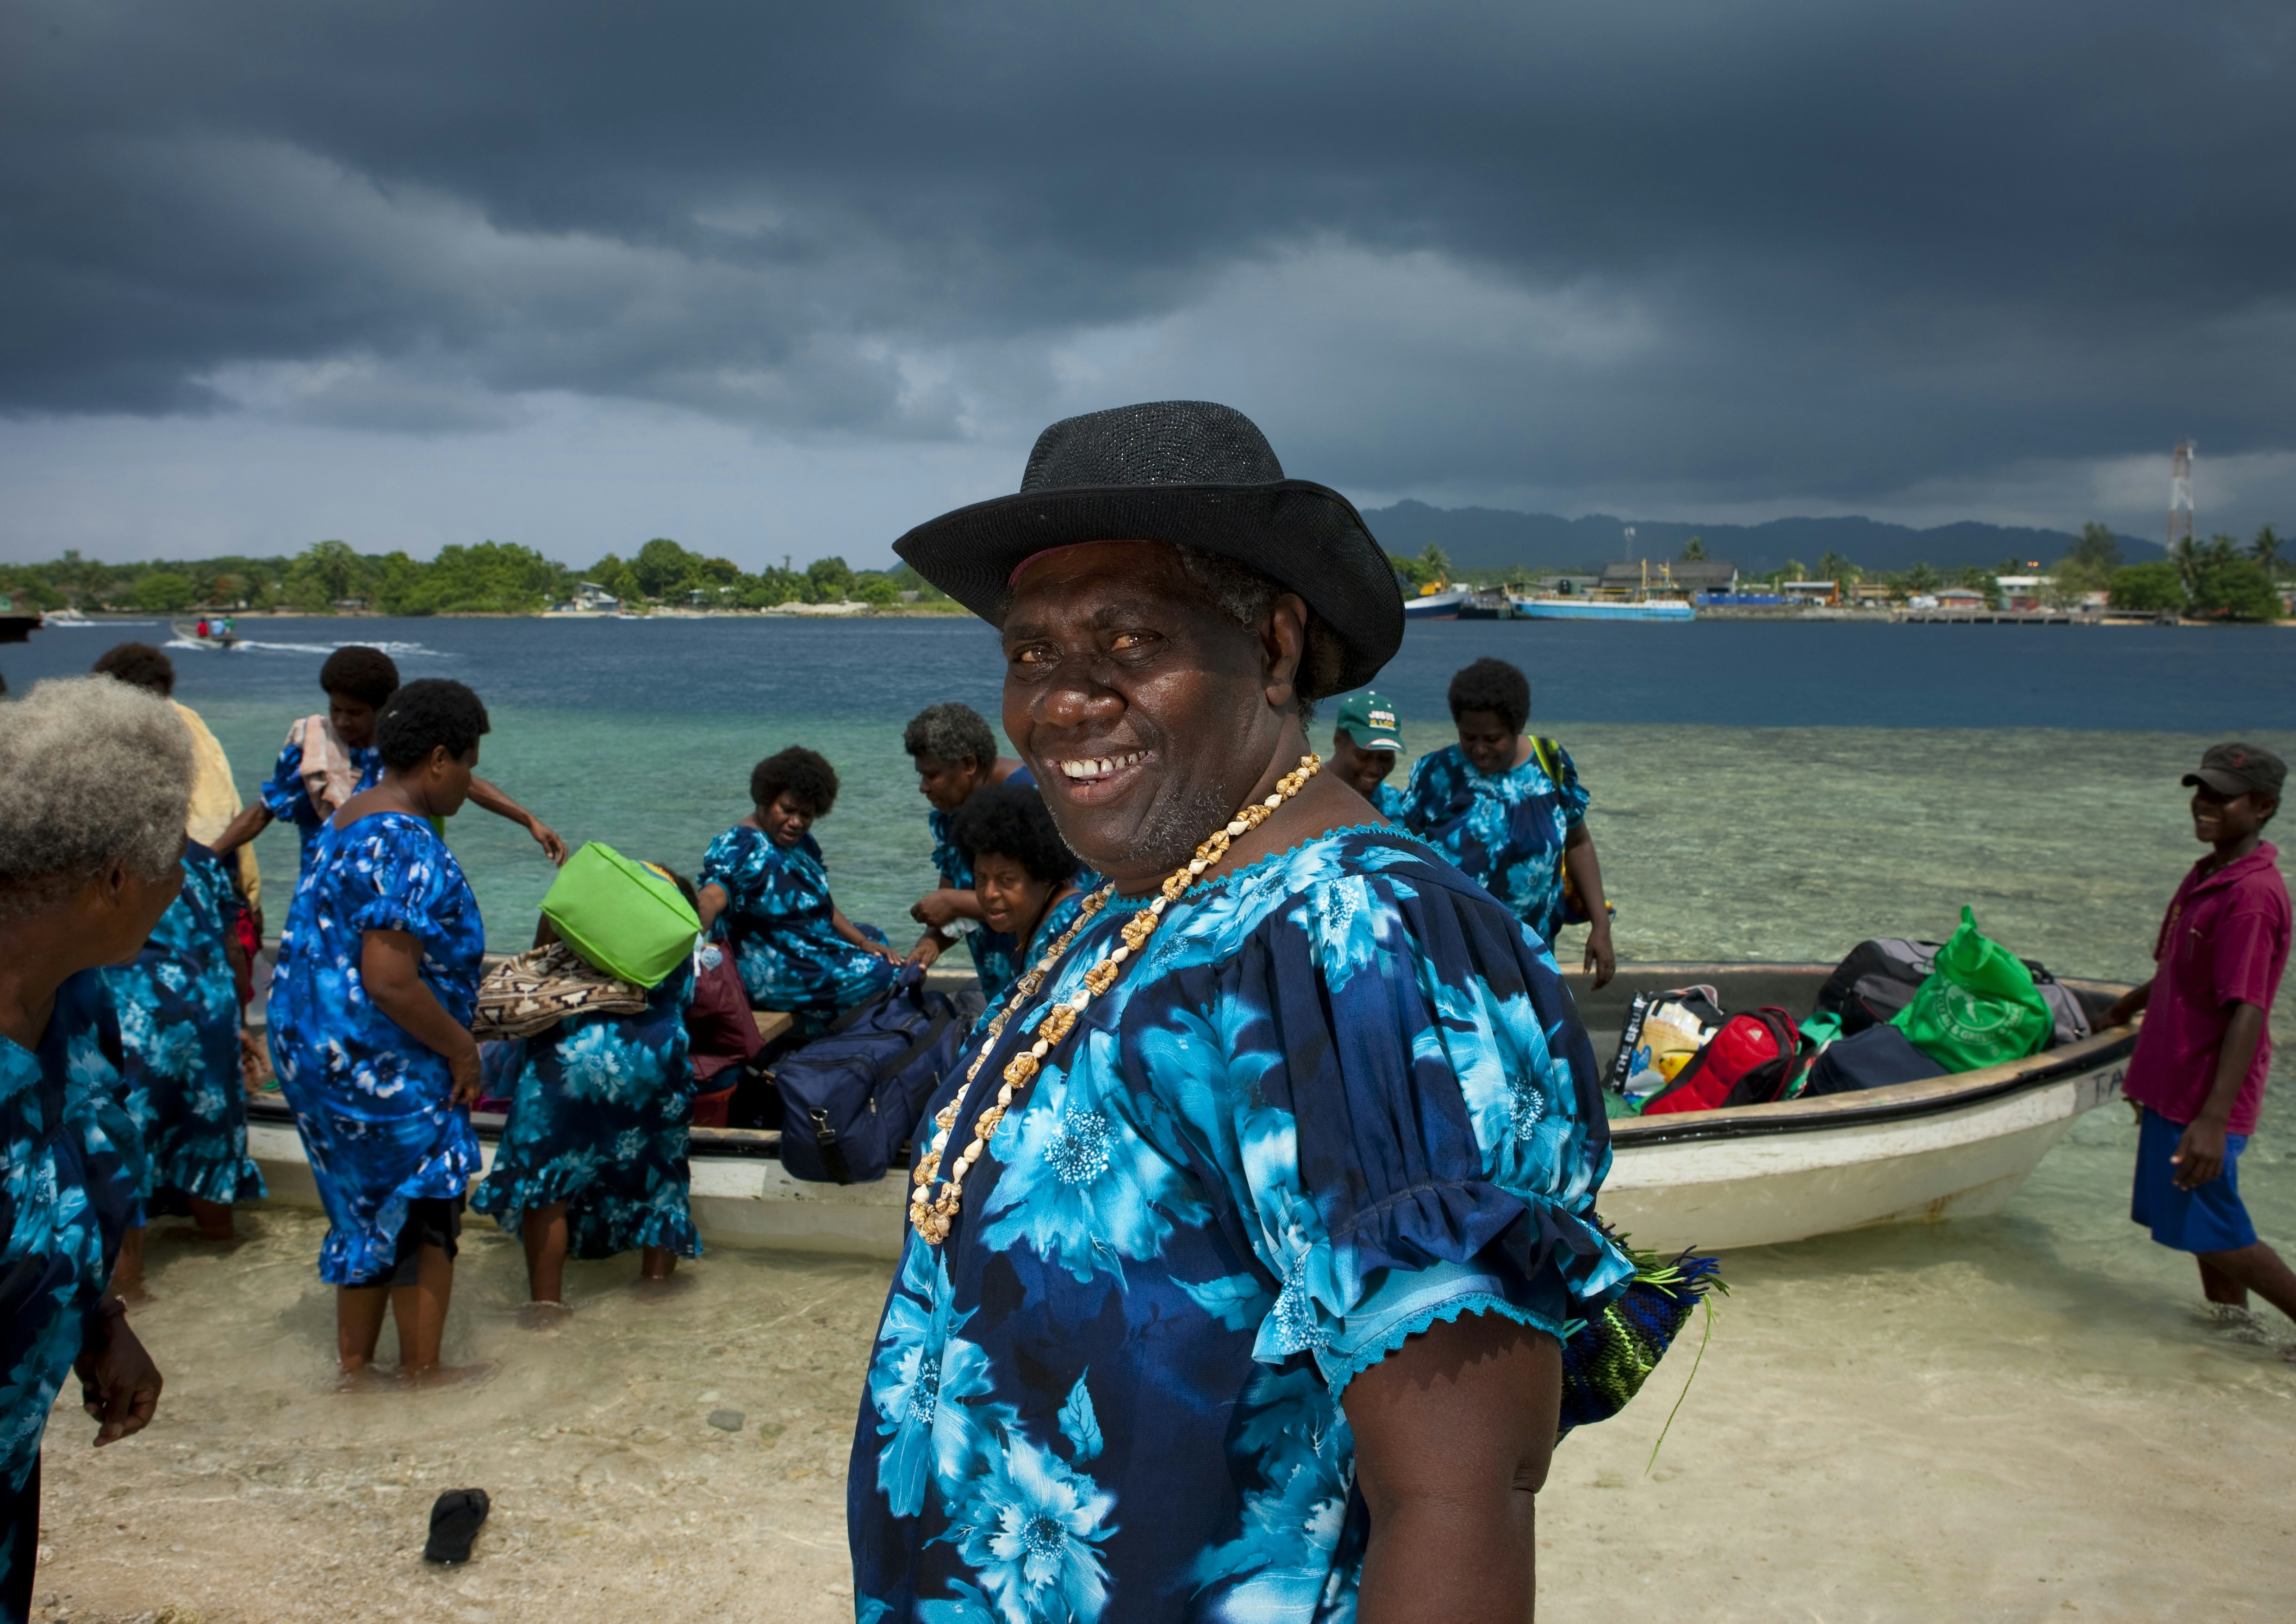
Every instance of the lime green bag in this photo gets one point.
(1979, 1007)
(623, 917)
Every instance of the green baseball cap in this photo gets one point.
(1369, 719)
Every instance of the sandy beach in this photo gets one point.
(2017, 1417)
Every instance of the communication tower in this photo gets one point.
(2180, 494)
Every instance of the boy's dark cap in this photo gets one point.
(2235, 769)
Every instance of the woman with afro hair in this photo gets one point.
(1022, 872)
(370, 1024)
(764, 894)
(329, 759)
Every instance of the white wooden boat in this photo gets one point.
(1753, 1176)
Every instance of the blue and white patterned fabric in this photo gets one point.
(178, 1009)
(284, 794)
(1342, 1094)
(777, 921)
(372, 1103)
(996, 954)
(1060, 915)
(74, 1162)
(1389, 800)
(599, 1118)
(1505, 830)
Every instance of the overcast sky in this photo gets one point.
(780, 279)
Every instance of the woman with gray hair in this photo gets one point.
(94, 778)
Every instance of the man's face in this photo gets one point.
(1143, 710)
(1361, 770)
(1488, 742)
(949, 784)
(2218, 818)
(354, 718)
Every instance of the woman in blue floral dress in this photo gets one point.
(94, 780)
(179, 1019)
(1242, 1250)
(764, 893)
(1507, 818)
(592, 1158)
(370, 1016)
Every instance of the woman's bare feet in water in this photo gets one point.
(448, 1375)
(543, 1316)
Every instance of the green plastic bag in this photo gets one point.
(1979, 1007)
(622, 916)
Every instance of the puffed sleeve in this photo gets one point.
(397, 881)
(1427, 1133)
(1571, 793)
(283, 792)
(723, 867)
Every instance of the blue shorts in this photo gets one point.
(2210, 1218)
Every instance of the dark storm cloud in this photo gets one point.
(1833, 248)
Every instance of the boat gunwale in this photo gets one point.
(1896, 1103)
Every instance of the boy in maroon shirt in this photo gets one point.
(2202, 1053)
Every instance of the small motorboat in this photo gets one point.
(188, 631)
(1751, 1176)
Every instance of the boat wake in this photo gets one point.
(395, 649)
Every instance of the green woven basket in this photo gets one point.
(622, 916)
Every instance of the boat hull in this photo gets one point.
(1753, 1176)
(1590, 609)
(1434, 606)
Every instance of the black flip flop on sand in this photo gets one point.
(455, 1523)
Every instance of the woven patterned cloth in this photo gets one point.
(533, 992)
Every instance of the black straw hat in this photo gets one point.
(1185, 471)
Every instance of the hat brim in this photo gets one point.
(1307, 537)
(2228, 784)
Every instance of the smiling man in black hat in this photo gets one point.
(1244, 1232)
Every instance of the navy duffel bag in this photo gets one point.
(1874, 1058)
(851, 1097)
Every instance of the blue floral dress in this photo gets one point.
(179, 1021)
(74, 1162)
(372, 1103)
(1342, 1094)
(599, 1118)
(1389, 800)
(777, 921)
(284, 794)
(996, 954)
(1505, 830)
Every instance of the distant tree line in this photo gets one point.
(2215, 579)
(490, 577)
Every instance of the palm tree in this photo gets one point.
(2266, 550)
(1837, 568)
(2186, 556)
(1694, 551)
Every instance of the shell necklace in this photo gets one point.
(931, 1214)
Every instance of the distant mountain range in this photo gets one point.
(1492, 538)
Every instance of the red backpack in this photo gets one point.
(1752, 1061)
